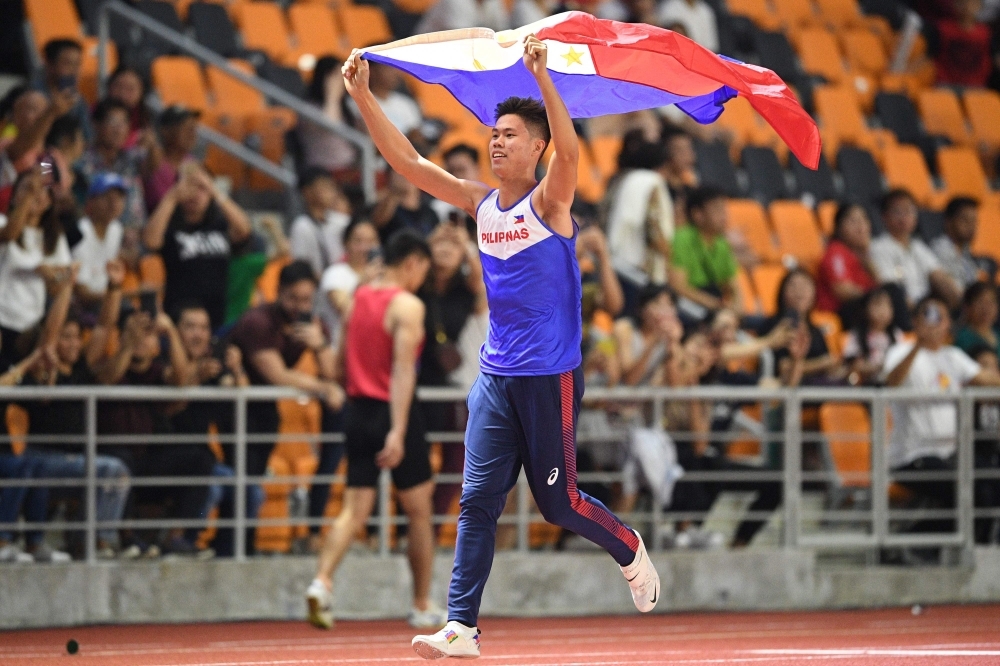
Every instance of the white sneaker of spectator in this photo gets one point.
(431, 618)
(47, 554)
(696, 538)
(12, 554)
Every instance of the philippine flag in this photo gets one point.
(601, 67)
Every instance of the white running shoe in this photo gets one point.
(432, 618)
(320, 602)
(642, 579)
(455, 640)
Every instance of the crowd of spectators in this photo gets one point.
(93, 200)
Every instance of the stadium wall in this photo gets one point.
(522, 584)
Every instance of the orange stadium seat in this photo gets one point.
(766, 280)
(847, 429)
(52, 19)
(414, 6)
(795, 13)
(738, 117)
(315, 31)
(905, 167)
(178, 80)
(865, 52)
(825, 212)
(797, 233)
(263, 27)
(231, 96)
(963, 174)
(820, 54)
(436, 102)
(841, 120)
(942, 115)
(829, 324)
(840, 13)
(983, 110)
(363, 25)
(747, 216)
(748, 295)
(605, 149)
(758, 11)
(219, 162)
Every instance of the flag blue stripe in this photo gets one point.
(586, 96)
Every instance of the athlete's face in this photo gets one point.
(514, 152)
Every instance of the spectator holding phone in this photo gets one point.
(194, 229)
(362, 264)
(403, 206)
(178, 135)
(316, 236)
(34, 257)
(924, 434)
(272, 338)
(61, 75)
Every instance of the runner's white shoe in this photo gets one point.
(455, 640)
(320, 602)
(642, 579)
(432, 618)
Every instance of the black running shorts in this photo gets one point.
(366, 424)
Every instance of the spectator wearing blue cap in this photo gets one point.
(101, 235)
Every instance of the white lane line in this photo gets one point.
(882, 652)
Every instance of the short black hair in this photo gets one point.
(296, 272)
(106, 106)
(54, 48)
(700, 197)
(64, 128)
(637, 153)
(843, 211)
(404, 243)
(957, 205)
(311, 174)
(463, 149)
(531, 111)
(186, 305)
(975, 290)
(892, 196)
(10, 99)
(351, 226)
(650, 293)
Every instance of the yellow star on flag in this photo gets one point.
(573, 57)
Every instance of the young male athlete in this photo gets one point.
(524, 405)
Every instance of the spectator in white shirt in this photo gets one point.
(954, 248)
(100, 236)
(401, 110)
(34, 254)
(924, 433)
(696, 16)
(362, 262)
(316, 235)
(907, 261)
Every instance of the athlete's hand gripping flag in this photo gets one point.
(601, 67)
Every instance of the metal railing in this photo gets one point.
(802, 525)
(273, 92)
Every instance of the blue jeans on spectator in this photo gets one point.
(223, 496)
(112, 488)
(11, 498)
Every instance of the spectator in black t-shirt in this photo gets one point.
(137, 362)
(453, 292)
(210, 363)
(403, 206)
(194, 227)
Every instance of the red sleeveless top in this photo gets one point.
(368, 347)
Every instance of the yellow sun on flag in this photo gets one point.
(478, 65)
(573, 57)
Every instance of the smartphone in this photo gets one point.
(792, 317)
(932, 314)
(147, 303)
(374, 255)
(66, 82)
(304, 318)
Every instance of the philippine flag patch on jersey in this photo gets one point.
(519, 219)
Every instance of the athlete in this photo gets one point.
(524, 405)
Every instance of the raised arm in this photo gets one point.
(555, 196)
(399, 152)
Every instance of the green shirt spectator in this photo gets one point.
(703, 267)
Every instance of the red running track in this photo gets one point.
(940, 636)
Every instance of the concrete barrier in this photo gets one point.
(532, 584)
